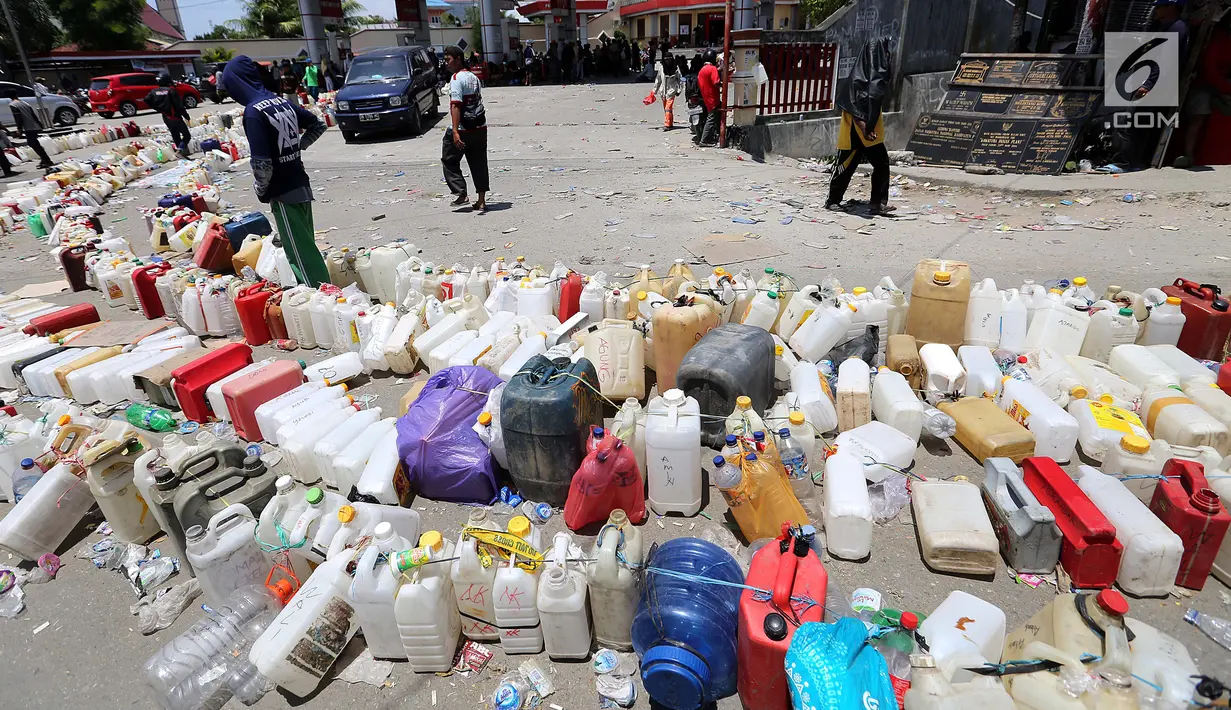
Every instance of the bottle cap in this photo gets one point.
(284, 483)
(751, 458)
(775, 627)
(1134, 444)
(859, 290)
(731, 439)
(1173, 301)
(910, 622)
(941, 277)
(27, 463)
(719, 461)
(719, 271)
(1112, 602)
(960, 479)
(1022, 359)
(519, 525)
(303, 365)
(314, 496)
(431, 540)
(773, 295)
(485, 418)
(1126, 311)
(1079, 281)
(64, 419)
(769, 269)
(1079, 392)
(852, 307)
(346, 514)
(743, 402)
(758, 436)
(1106, 398)
(778, 350)
(598, 432)
(784, 433)
(383, 530)
(796, 418)
(642, 295)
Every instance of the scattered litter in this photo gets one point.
(41, 627)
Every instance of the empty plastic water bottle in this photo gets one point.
(1212, 626)
(149, 418)
(938, 424)
(1017, 370)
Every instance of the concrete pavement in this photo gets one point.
(584, 175)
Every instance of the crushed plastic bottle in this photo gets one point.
(1216, 628)
(515, 693)
(938, 424)
(889, 497)
(157, 614)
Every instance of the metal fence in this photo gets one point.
(801, 76)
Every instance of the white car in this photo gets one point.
(61, 109)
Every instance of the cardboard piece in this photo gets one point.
(722, 249)
(119, 333)
(44, 289)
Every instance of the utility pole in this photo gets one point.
(25, 63)
(726, 74)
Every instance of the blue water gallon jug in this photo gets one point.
(684, 630)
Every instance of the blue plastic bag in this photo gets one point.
(443, 457)
(832, 667)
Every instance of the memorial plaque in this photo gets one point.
(1001, 142)
(971, 72)
(963, 101)
(1047, 73)
(1049, 147)
(1030, 105)
(1008, 72)
(994, 102)
(944, 140)
(1075, 105)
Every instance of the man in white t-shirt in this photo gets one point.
(467, 135)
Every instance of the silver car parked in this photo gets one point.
(60, 109)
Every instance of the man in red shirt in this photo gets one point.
(707, 84)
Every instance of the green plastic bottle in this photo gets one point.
(149, 418)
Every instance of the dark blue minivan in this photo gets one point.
(393, 88)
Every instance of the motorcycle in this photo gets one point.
(81, 97)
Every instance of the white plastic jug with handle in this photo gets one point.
(825, 328)
(438, 359)
(1189, 370)
(955, 533)
(673, 453)
(562, 602)
(617, 351)
(1162, 667)
(535, 344)
(426, 611)
(383, 477)
(348, 465)
(336, 369)
(298, 437)
(848, 508)
(1058, 326)
(895, 403)
(964, 632)
(943, 372)
(875, 445)
(265, 412)
(374, 591)
(1171, 415)
(399, 349)
(474, 587)
(1102, 426)
(1152, 551)
(983, 315)
(930, 690)
(1142, 367)
(1108, 329)
(321, 311)
(225, 554)
(1014, 321)
(1103, 383)
(799, 307)
(1055, 430)
(982, 373)
(301, 644)
(814, 397)
(1051, 373)
(357, 520)
(1165, 324)
(335, 440)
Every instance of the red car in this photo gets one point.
(125, 93)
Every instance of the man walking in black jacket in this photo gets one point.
(167, 101)
(28, 125)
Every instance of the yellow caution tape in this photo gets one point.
(528, 558)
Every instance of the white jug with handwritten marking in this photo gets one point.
(225, 554)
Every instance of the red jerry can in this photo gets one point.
(73, 260)
(250, 305)
(147, 293)
(274, 319)
(798, 581)
(1193, 511)
(1090, 552)
(1207, 318)
(570, 296)
(249, 391)
(189, 381)
(214, 252)
(80, 314)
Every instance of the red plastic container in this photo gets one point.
(274, 320)
(1193, 511)
(147, 294)
(247, 392)
(73, 261)
(188, 382)
(789, 568)
(608, 478)
(214, 253)
(1224, 377)
(250, 304)
(1208, 318)
(80, 314)
(570, 296)
(1090, 552)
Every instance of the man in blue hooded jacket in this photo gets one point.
(277, 132)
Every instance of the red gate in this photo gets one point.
(801, 77)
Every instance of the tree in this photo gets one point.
(214, 55)
(353, 18)
(473, 18)
(220, 32)
(814, 12)
(450, 20)
(102, 24)
(35, 26)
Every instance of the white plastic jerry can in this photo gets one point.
(673, 453)
(374, 592)
(225, 555)
(426, 611)
(303, 641)
(474, 589)
(516, 609)
(562, 603)
(983, 315)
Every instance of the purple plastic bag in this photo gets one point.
(443, 457)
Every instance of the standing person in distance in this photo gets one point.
(708, 83)
(167, 101)
(861, 134)
(668, 83)
(312, 80)
(277, 132)
(27, 124)
(467, 136)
